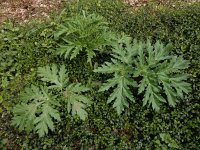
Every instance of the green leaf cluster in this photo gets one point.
(168, 140)
(39, 107)
(88, 33)
(150, 67)
(133, 130)
(122, 81)
(37, 110)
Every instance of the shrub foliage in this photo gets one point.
(160, 72)
(40, 105)
(29, 90)
(83, 33)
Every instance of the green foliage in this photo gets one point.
(59, 79)
(37, 109)
(8, 46)
(179, 26)
(160, 72)
(40, 105)
(71, 93)
(22, 49)
(3, 142)
(76, 103)
(82, 33)
(121, 67)
(166, 139)
(137, 128)
(18, 42)
(157, 67)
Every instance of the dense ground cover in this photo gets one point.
(25, 48)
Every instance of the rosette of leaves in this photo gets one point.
(163, 77)
(122, 70)
(88, 33)
(39, 107)
(159, 75)
(37, 110)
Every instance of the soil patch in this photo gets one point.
(24, 10)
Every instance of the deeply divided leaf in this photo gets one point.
(158, 73)
(88, 33)
(76, 101)
(58, 77)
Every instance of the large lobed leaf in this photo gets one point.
(83, 33)
(44, 121)
(161, 72)
(76, 102)
(121, 67)
(157, 72)
(24, 116)
(36, 111)
(58, 77)
(121, 93)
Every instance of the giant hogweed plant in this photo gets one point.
(88, 33)
(136, 66)
(39, 107)
(148, 68)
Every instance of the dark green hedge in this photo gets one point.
(137, 128)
